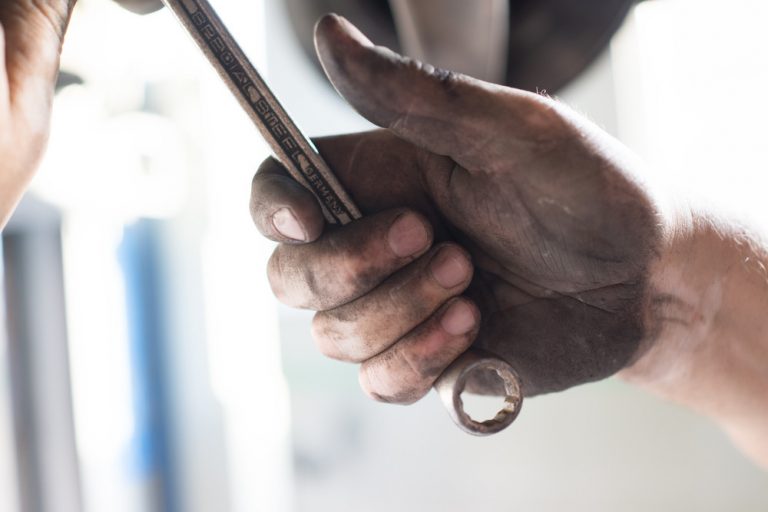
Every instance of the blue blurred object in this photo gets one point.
(140, 260)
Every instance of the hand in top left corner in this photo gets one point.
(31, 34)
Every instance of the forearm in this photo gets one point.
(707, 309)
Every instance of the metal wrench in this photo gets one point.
(302, 160)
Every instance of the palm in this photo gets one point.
(559, 258)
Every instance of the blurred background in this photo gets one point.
(145, 367)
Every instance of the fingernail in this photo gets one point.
(408, 235)
(459, 319)
(450, 268)
(287, 225)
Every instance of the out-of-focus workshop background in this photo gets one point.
(145, 367)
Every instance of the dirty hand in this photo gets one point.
(492, 217)
(30, 42)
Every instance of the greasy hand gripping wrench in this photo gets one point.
(304, 163)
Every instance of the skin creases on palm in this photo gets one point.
(560, 240)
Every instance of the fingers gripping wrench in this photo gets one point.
(304, 163)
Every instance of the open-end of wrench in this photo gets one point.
(302, 160)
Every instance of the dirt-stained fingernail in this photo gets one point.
(286, 224)
(459, 319)
(450, 268)
(408, 235)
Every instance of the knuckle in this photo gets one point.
(257, 190)
(266, 193)
(348, 274)
(269, 166)
(438, 80)
(388, 388)
(324, 343)
(334, 342)
(455, 250)
(448, 80)
(274, 275)
(258, 215)
(445, 78)
(271, 187)
(266, 188)
(453, 246)
(369, 386)
(292, 284)
(353, 269)
(415, 366)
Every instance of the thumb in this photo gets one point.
(441, 111)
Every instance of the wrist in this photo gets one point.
(705, 317)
